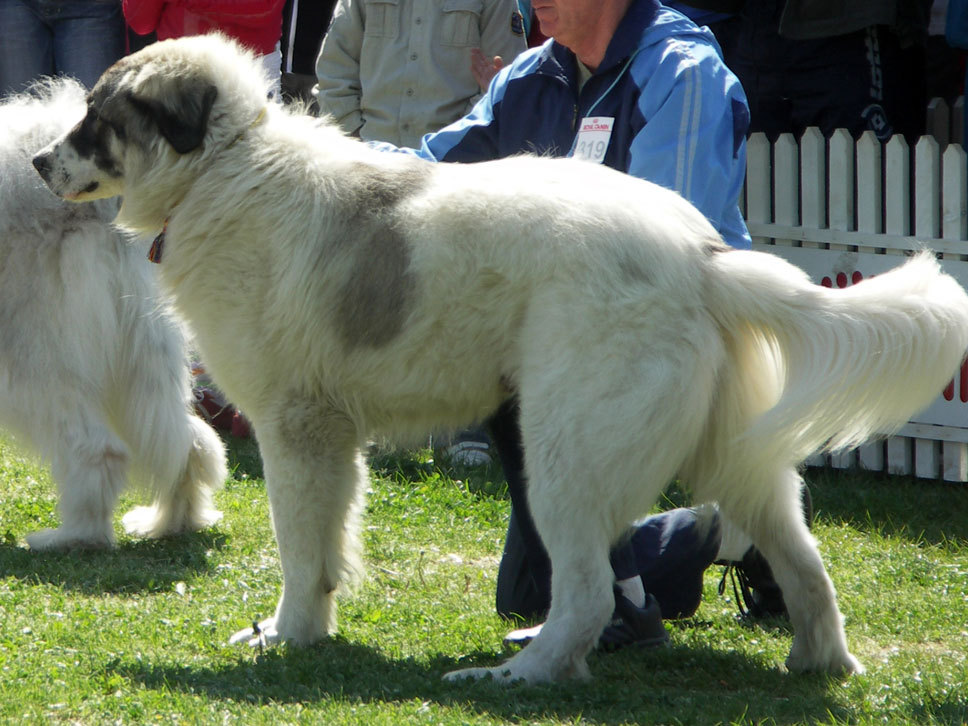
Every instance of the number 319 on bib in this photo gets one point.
(592, 139)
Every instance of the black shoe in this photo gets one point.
(632, 625)
(755, 590)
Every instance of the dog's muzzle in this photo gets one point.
(41, 163)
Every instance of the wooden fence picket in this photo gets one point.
(813, 183)
(927, 225)
(870, 184)
(954, 217)
(786, 184)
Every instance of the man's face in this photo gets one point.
(568, 21)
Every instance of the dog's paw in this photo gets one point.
(142, 522)
(260, 634)
(62, 539)
(840, 664)
(153, 522)
(523, 667)
(501, 674)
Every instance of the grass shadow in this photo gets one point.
(668, 685)
(917, 510)
(133, 567)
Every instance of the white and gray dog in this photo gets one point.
(375, 293)
(93, 373)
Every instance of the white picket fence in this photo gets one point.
(844, 211)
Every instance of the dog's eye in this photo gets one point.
(117, 128)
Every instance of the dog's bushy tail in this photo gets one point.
(183, 501)
(819, 368)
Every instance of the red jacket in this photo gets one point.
(257, 24)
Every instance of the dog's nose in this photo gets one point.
(41, 163)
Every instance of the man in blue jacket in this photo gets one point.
(640, 88)
(679, 116)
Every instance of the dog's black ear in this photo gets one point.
(182, 117)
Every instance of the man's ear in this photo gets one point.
(182, 115)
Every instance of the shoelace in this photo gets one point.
(736, 572)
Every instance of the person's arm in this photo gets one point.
(338, 86)
(694, 138)
(142, 15)
(502, 38)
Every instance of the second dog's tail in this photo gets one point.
(183, 502)
(829, 368)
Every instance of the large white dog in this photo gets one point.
(376, 293)
(93, 374)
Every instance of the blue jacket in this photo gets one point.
(680, 115)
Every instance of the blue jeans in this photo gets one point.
(79, 38)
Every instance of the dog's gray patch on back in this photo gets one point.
(377, 297)
(633, 269)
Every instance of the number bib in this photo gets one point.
(592, 139)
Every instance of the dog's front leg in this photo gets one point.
(314, 476)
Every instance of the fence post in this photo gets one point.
(954, 207)
(869, 184)
(786, 184)
(841, 183)
(758, 192)
(897, 220)
(813, 181)
(870, 219)
(954, 225)
(927, 188)
(897, 187)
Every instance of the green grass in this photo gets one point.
(138, 635)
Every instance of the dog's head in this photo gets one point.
(154, 118)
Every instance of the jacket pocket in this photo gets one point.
(461, 25)
(382, 18)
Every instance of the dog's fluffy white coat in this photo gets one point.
(93, 374)
(372, 293)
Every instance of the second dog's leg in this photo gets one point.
(314, 477)
(89, 465)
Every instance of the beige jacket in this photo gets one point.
(393, 70)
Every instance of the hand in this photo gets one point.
(484, 68)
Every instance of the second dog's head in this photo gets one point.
(155, 119)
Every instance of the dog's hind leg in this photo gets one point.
(89, 465)
(777, 528)
(315, 476)
(593, 467)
